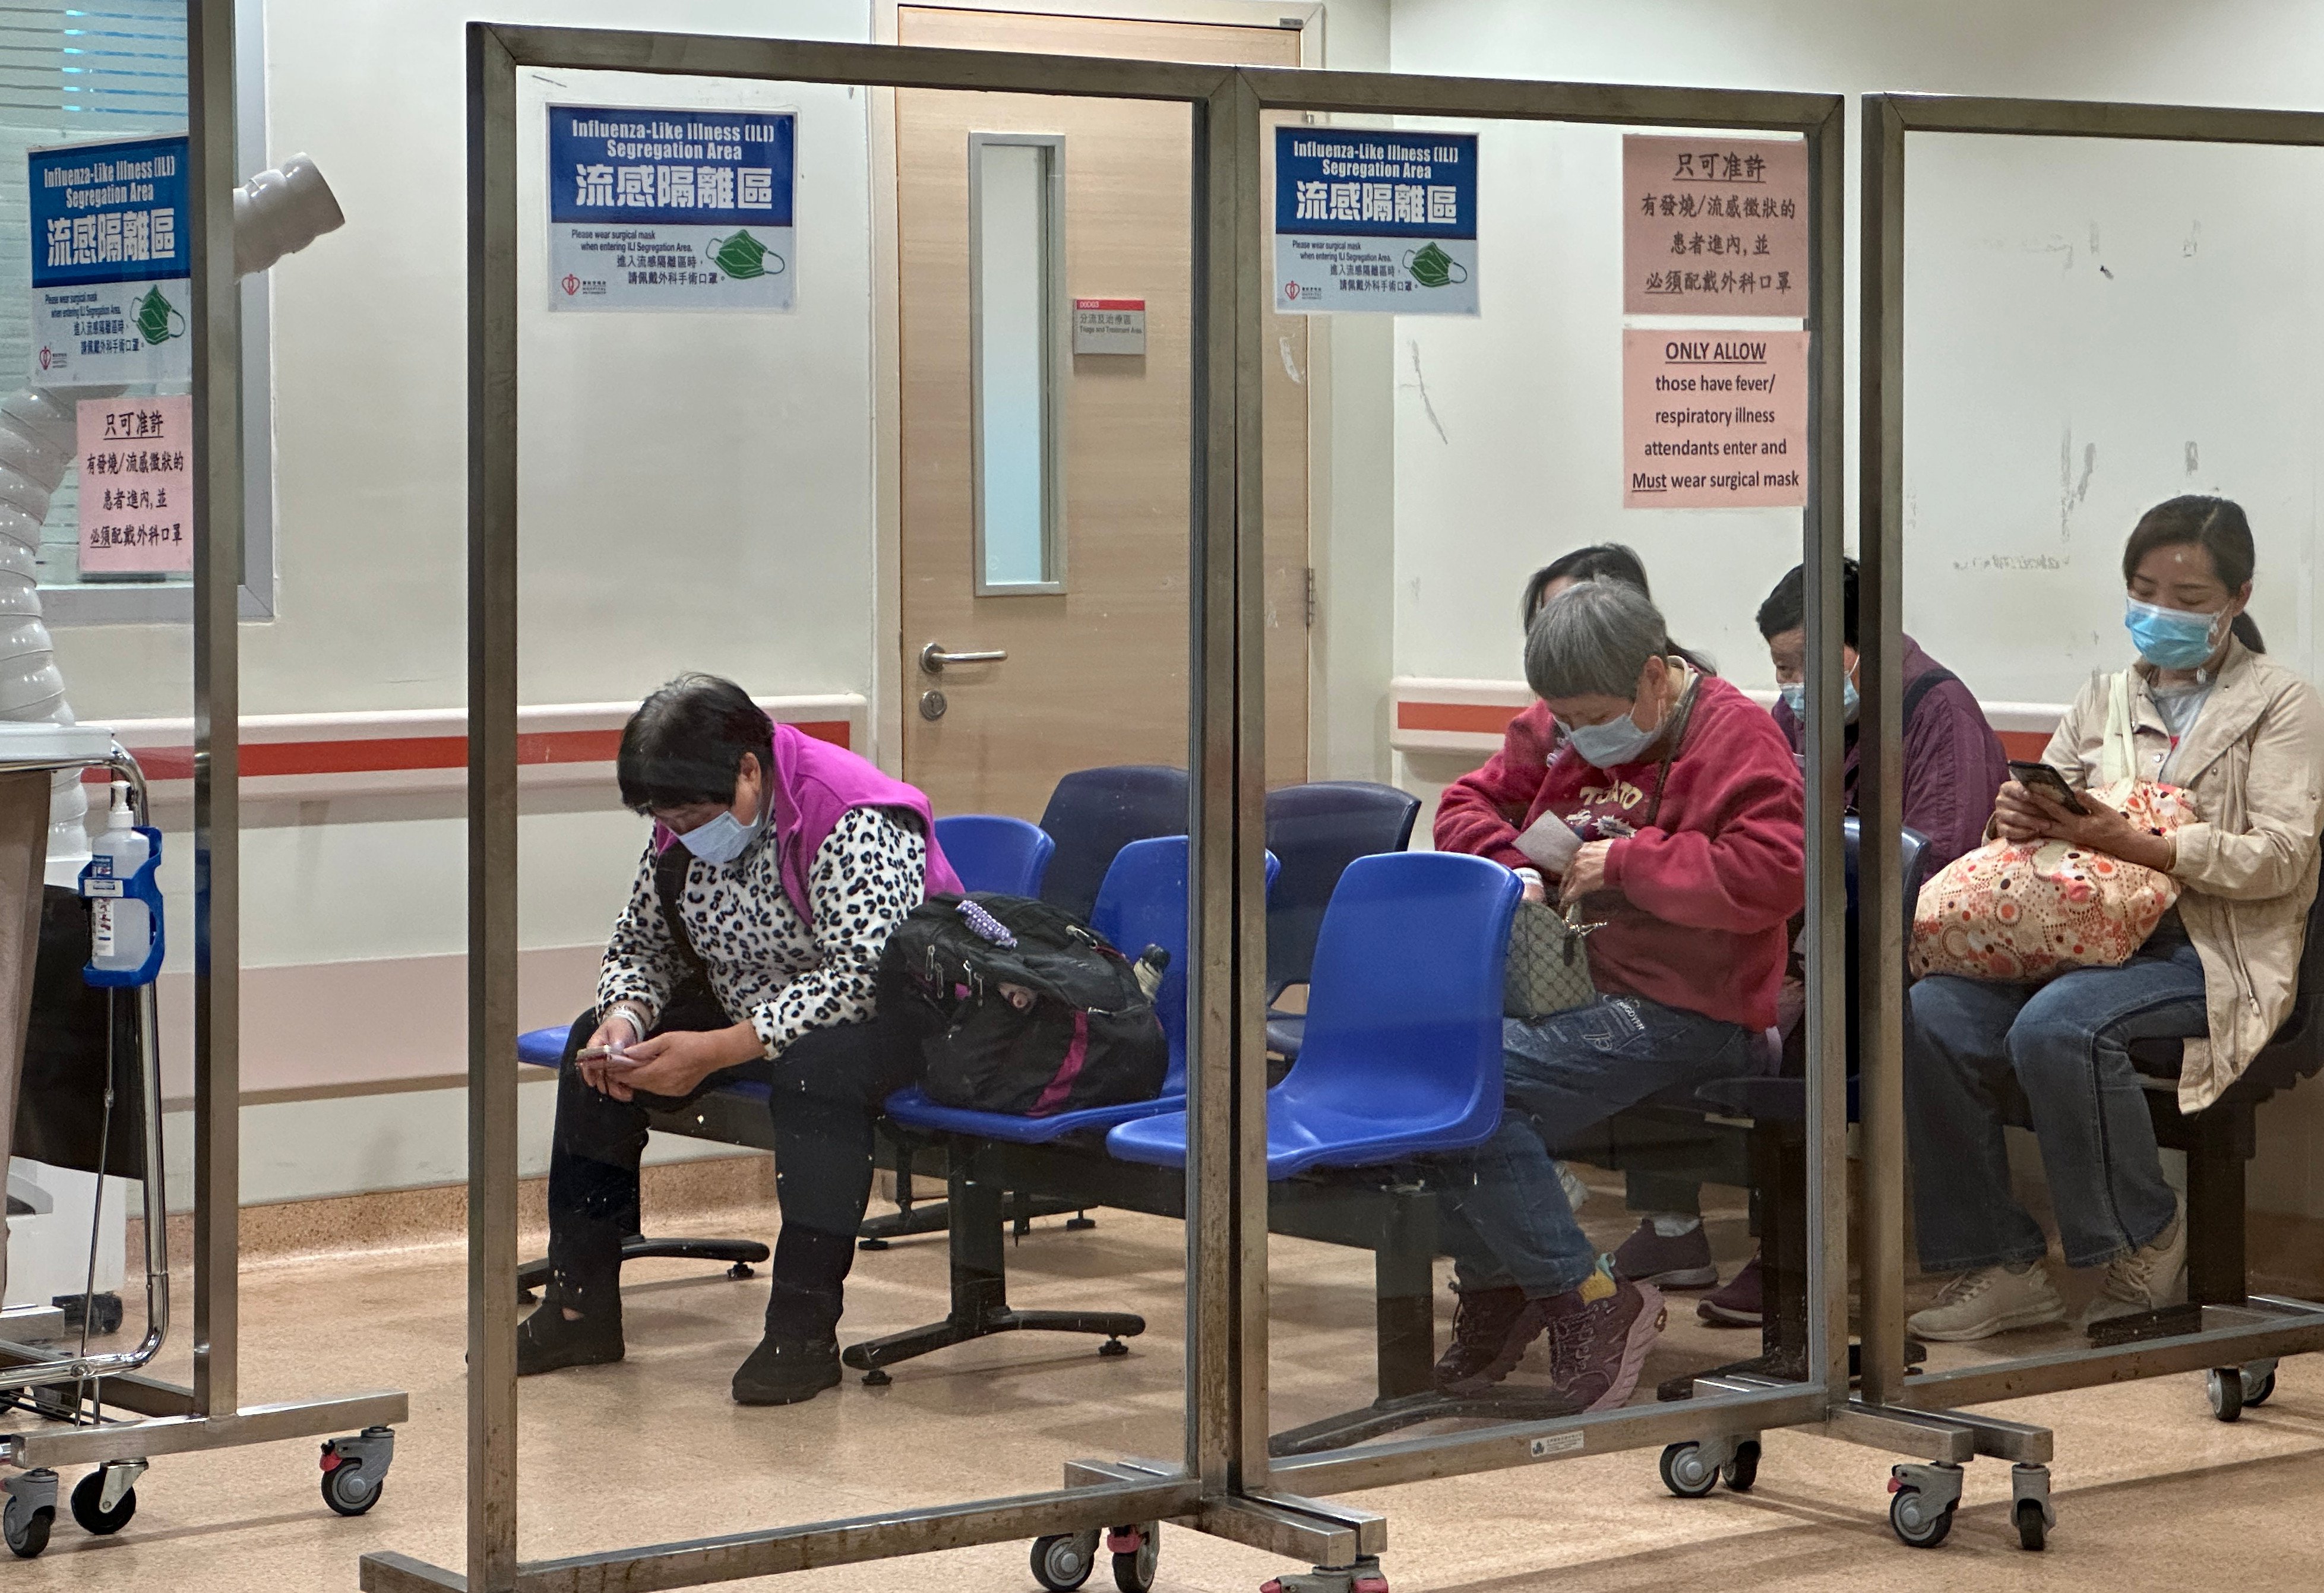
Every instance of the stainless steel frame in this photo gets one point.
(209, 1415)
(1056, 359)
(1222, 1484)
(2267, 1327)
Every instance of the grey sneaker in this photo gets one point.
(2147, 1279)
(1988, 1300)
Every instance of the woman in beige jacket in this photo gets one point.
(2203, 710)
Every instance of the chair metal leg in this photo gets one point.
(980, 1285)
(739, 1255)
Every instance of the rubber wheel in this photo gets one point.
(2261, 1392)
(347, 1490)
(1928, 1535)
(1134, 1573)
(1063, 1560)
(1743, 1470)
(26, 1540)
(2033, 1527)
(1685, 1473)
(85, 1496)
(2226, 1388)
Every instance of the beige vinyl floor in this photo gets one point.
(2151, 1492)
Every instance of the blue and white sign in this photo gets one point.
(113, 263)
(670, 209)
(1372, 221)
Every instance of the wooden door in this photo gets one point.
(1095, 673)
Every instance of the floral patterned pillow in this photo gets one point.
(2026, 912)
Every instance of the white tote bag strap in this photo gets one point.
(2119, 754)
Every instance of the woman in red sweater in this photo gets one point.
(1673, 813)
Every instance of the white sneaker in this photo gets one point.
(1576, 1191)
(2146, 1280)
(1988, 1300)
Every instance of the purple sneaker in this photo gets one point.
(1599, 1336)
(1738, 1305)
(1681, 1263)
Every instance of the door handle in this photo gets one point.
(932, 657)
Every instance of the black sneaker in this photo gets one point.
(1481, 1324)
(1682, 1262)
(783, 1371)
(548, 1340)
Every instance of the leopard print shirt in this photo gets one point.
(763, 959)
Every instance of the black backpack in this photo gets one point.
(1073, 1027)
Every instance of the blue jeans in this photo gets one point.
(1507, 1219)
(1979, 1054)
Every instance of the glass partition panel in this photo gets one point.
(959, 1269)
(1530, 1174)
(2101, 462)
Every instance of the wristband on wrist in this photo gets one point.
(628, 1014)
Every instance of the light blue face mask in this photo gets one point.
(723, 839)
(1617, 741)
(2170, 639)
(1795, 698)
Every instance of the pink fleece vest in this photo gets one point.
(816, 785)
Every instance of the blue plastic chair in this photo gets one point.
(991, 852)
(1143, 903)
(1318, 829)
(1093, 814)
(1403, 1052)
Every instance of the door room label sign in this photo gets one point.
(1714, 419)
(670, 209)
(1372, 221)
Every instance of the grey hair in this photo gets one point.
(1593, 639)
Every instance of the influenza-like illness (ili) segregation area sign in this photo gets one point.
(112, 263)
(1372, 221)
(670, 209)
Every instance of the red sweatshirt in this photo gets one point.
(1696, 907)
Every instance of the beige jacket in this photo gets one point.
(2254, 765)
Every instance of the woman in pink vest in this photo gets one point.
(789, 862)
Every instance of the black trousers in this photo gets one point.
(827, 1088)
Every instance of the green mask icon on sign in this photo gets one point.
(1431, 267)
(743, 256)
(159, 320)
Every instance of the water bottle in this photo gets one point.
(120, 934)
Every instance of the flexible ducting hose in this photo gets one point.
(276, 213)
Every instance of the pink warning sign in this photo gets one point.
(1714, 225)
(1715, 419)
(136, 486)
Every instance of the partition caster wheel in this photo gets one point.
(1687, 1472)
(1063, 1561)
(1136, 1550)
(1740, 1473)
(2033, 1526)
(1113, 1347)
(2225, 1385)
(30, 1513)
(354, 1469)
(2259, 1383)
(1922, 1502)
(106, 1500)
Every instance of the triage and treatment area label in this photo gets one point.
(1714, 225)
(1372, 221)
(1714, 419)
(670, 209)
(112, 263)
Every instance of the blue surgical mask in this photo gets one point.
(1795, 698)
(2171, 638)
(723, 839)
(1617, 741)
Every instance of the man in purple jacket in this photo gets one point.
(1953, 766)
(777, 869)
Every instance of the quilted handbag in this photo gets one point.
(2025, 912)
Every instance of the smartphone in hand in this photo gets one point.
(2045, 778)
(609, 1055)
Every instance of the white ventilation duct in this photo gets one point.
(276, 213)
